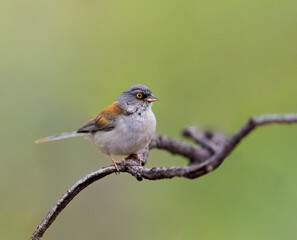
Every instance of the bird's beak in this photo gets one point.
(151, 98)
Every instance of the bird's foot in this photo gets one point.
(115, 163)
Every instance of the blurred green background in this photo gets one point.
(211, 63)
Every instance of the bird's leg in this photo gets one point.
(115, 164)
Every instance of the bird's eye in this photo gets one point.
(139, 95)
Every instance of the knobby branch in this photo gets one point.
(211, 149)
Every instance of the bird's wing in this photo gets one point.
(104, 121)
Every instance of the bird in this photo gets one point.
(123, 128)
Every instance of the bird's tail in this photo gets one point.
(60, 136)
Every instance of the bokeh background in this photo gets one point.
(213, 64)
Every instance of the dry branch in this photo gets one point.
(212, 150)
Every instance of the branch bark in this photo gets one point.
(208, 155)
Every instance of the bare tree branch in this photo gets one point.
(68, 196)
(213, 150)
(203, 139)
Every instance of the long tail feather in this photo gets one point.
(58, 137)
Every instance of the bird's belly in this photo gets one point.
(129, 136)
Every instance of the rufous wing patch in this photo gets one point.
(101, 121)
(104, 121)
(113, 109)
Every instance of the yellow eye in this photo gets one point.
(139, 95)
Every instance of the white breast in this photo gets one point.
(131, 134)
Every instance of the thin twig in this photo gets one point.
(202, 161)
(68, 196)
(200, 139)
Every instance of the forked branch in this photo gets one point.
(208, 155)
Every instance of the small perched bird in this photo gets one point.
(123, 128)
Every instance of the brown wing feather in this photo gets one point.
(104, 121)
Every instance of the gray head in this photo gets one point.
(136, 97)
